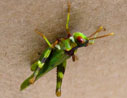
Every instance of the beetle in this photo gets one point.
(58, 52)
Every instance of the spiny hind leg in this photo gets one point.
(34, 66)
(60, 74)
(39, 65)
(68, 18)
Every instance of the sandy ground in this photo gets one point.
(100, 72)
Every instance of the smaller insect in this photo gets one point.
(57, 54)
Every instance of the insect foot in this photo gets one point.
(58, 93)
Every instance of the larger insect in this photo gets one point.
(57, 54)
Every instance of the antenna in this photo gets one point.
(109, 34)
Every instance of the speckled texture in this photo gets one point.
(100, 72)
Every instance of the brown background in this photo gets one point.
(100, 72)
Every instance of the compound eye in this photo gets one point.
(80, 39)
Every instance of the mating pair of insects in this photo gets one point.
(58, 52)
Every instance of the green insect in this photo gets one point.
(57, 54)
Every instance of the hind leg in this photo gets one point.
(60, 74)
(39, 65)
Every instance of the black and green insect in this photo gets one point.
(57, 54)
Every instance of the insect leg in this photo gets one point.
(60, 74)
(55, 43)
(41, 34)
(39, 65)
(34, 66)
(74, 58)
(68, 18)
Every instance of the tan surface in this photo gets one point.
(100, 72)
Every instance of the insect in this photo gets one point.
(58, 52)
